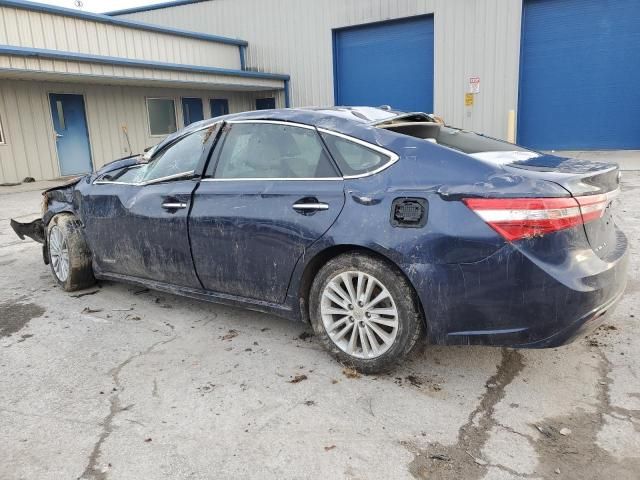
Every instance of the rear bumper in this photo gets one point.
(515, 299)
(578, 329)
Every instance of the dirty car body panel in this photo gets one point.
(511, 247)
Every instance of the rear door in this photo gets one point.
(271, 191)
(136, 220)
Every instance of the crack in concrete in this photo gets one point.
(92, 471)
(465, 456)
(578, 455)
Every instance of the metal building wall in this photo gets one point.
(472, 38)
(30, 150)
(27, 28)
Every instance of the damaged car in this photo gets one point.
(381, 229)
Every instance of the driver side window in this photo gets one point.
(181, 157)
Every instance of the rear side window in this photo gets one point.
(353, 158)
(263, 150)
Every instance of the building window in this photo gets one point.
(162, 116)
(265, 103)
(1, 133)
(219, 107)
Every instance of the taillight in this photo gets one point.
(516, 218)
(593, 206)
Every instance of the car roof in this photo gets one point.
(340, 119)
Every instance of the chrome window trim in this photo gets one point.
(274, 122)
(175, 140)
(279, 179)
(148, 182)
(393, 157)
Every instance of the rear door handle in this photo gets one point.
(174, 205)
(308, 207)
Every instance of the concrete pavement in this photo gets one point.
(124, 383)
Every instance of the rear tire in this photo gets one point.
(69, 254)
(365, 312)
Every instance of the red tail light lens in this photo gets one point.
(517, 218)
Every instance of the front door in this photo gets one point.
(136, 220)
(192, 110)
(72, 135)
(272, 192)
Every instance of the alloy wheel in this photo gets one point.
(359, 314)
(59, 253)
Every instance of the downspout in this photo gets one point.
(243, 64)
(287, 99)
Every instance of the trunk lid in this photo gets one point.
(591, 183)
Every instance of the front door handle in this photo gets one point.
(174, 205)
(310, 207)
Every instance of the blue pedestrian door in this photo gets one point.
(72, 135)
(388, 63)
(192, 110)
(579, 75)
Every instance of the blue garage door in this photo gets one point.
(387, 63)
(580, 74)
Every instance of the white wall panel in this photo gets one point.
(30, 149)
(140, 75)
(472, 38)
(25, 28)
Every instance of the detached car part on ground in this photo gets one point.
(377, 227)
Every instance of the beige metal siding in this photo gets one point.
(30, 149)
(25, 28)
(105, 73)
(472, 38)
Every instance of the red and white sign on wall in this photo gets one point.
(474, 85)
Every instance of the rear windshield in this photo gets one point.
(478, 146)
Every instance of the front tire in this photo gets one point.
(365, 312)
(69, 254)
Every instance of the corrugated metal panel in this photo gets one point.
(580, 70)
(45, 30)
(472, 38)
(26, 120)
(130, 75)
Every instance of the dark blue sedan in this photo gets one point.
(378, 227)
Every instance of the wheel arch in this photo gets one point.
(322, 257)
(50, 214)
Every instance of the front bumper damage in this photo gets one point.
(33, 230)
